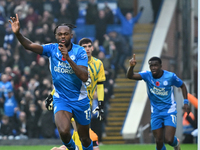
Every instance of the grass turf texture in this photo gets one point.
(104, 147)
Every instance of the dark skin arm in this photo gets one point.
(130, 72)
(80, 71)
(26, 43)
(185, 93)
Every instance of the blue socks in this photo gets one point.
(90, 147)
(70, 145)
(175, 142)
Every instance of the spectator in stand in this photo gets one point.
(40, 70)
(30, 29)
(9, 73)
(26, 101)
(28, 58)
(53, 6)
(36, 4)
(156, 4)
(101, 26)
(10, 7)
(46, 120)
(6, 129)
(91, 12)
(15, 61)
(32, 85)
(23, 82)
(10, 105)
(19, 94)
(32, 121)
(5, 86)
(127, 26)
(43, 90)
(73, 8)
(22, 11)
(4, 62)
(2, 8)
(109, 14)
(9, 38)
(27, 73)
(121, 49)
(2, 30)
(46, 18)
(16, 77)
(21, 126)
(64, 13)
(189, 125)
(45, 35)
(32, 16)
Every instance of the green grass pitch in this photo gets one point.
(105, 147)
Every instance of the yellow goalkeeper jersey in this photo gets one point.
(96, 74)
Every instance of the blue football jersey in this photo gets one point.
(67, 85)
(160, 91)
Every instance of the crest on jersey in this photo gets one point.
(72, 57)
(165, 83)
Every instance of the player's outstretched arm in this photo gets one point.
(185, 93)
(130, 72)
(27, 44)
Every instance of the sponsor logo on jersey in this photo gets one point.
(159, 91)
(63, 68)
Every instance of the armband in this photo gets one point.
(186, 101)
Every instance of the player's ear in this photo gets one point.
(72, 35)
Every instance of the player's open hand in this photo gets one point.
(132, 61)
(15, 24)
(63, 50)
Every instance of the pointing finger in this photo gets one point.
(17, 17)
(134, 56)
(61, 44)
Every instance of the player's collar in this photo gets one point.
(71, 47)
(91, 60)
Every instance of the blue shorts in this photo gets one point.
(81, 111)
(159, 121)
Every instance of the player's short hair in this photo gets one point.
(71, 26)
(155, 59)
(84, 41)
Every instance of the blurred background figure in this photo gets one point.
(189, 124)
(6, 129)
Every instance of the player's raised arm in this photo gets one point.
(130, 72)
(27, 44)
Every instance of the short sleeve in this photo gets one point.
(144, 75)
(47, 48)
(176, 81)
(82, 58)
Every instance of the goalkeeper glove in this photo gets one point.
(49, 102)
(99, 110)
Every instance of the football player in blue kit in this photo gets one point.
(163, 105)
(69, 69)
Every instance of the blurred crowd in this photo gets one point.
(25, 77)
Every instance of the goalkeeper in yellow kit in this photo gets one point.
(94, 82)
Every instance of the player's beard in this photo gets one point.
(67, 43)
